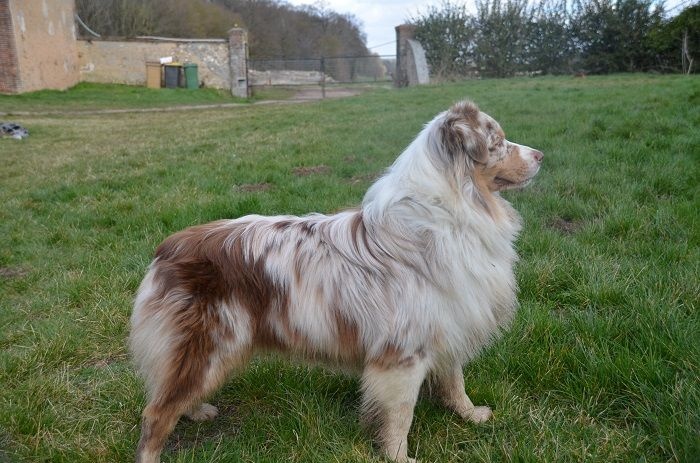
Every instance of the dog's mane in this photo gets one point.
(430, 186)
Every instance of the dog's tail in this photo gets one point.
(173, 349)
(150, 338)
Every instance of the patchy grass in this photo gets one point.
(273, 92)
(600, 365)
(87, 96)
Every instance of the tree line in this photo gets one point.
(275, 28)
(510, 37)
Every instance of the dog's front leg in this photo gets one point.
(390, 394)
(450, 388)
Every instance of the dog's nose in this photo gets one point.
(537, 155)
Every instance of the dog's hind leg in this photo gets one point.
(450, 387)
(197, 348)
(191, 381)
(157, 422)
(390, 394)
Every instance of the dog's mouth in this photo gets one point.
(503, 183)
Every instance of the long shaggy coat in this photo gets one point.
(411, 285)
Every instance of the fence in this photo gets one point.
(321, 72)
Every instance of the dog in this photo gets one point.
(407, 288)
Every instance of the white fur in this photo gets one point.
(426, 281)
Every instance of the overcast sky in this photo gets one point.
(379, 17)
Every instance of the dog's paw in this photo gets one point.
(480, 414)
(205, 412)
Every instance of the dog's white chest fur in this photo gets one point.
(480, 271)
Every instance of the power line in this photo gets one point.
(381, 45)
(685, 2)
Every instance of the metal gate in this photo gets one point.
(322, 73)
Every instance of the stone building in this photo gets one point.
(38, 47)
(39, 50)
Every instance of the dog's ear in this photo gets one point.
(460, 133)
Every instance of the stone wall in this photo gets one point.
(39, 50)
(238, 61)
(221, 63)
(9, 68)
(124, 62)
(411, 64)
(44, 44)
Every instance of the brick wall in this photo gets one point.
(9, 70)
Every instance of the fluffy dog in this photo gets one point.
(410, 286)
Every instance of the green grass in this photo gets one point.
(87, 96)
(274, 92)
(600, 365)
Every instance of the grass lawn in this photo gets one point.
(600, 365)
(87, 96)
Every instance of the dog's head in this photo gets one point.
(473, 145)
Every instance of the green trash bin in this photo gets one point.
(191, 79)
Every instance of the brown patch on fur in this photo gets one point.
(512, 168)
(146, 435)
(361, 237)
(282, 225)
(392, 357)
(190, 359)
(358, 231)
(306, 229)
(304, 171)
(298, 266)
(484, 194)
(458, 144)
(466, 110)
(349, 343)
(156, 424)
(197, 262)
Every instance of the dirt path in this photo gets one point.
(89, 112)
(316, 93)
(304, 94)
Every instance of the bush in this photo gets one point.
(510, 37)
